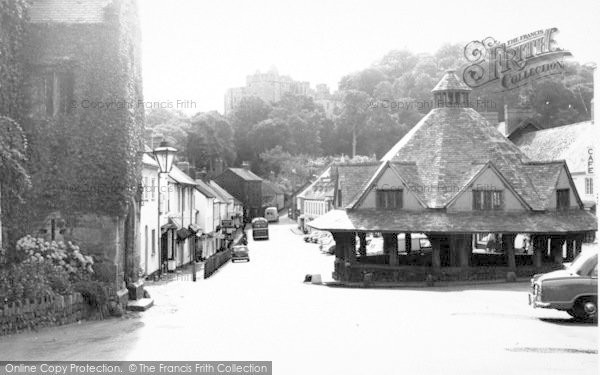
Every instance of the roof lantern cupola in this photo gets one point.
(451, 92)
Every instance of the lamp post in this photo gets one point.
(164, 155)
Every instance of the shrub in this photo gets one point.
(104, 272)
(29, 281)
(66, 256)
(95, 294)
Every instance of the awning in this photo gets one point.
(183, 233)
(434, 221)
(172, 223)
(195, 229)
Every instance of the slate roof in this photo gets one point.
(224, 194)
(451, 82)
(179, 176)
(569, 143)
(245, 174)
(438, 159)
(206, 190)
(323, 187)
(352, 178)
(439, 221)
(447, 145)
(68, 11)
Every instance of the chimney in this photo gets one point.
(156, 140)
(191, 171)
(184, 166)
(201, 175)
(246, 165)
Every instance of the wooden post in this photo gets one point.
(556, 252)
(536, 243)
(570, 249)
(436, 262)
(407, 243)
(351, 247)
(362, 250)
(390, 245)
(339, 245)
(578, 244)
(465, 250)
(509, 249)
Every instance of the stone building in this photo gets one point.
(451, 177)
(269, 86)
(82, 117)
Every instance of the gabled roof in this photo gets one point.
(447, 143)
(206, 190)
(352, 179)
(68, 11)
(322, 188)
(224, 194)
(180, 177)
(451, 82)
(245, 174)
(569, 143)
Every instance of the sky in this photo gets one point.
(193, 51)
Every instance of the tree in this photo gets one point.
(170, 125)
(249, 112)
(397, 62)
(354, 116)
(210, 140)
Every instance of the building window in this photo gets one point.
(145, 188)
(589, 185)
(563, 199)
(52, 93)
(389, 198)
(488, 199)
(153, 187)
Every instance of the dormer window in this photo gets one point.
(488, 200)
(563, 199)
(389, 199)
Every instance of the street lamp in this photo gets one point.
(164, 155)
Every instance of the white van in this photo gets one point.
(271, 214)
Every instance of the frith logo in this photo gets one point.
(515, 63)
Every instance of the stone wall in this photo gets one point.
(47, 311)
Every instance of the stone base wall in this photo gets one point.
(382, 273)
(47, 311)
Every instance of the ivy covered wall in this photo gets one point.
(83, 117)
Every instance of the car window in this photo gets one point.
(583, 264)
(595, 271)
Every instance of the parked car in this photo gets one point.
(240, 252)
(574, 289)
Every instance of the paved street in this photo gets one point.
(261, 310)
